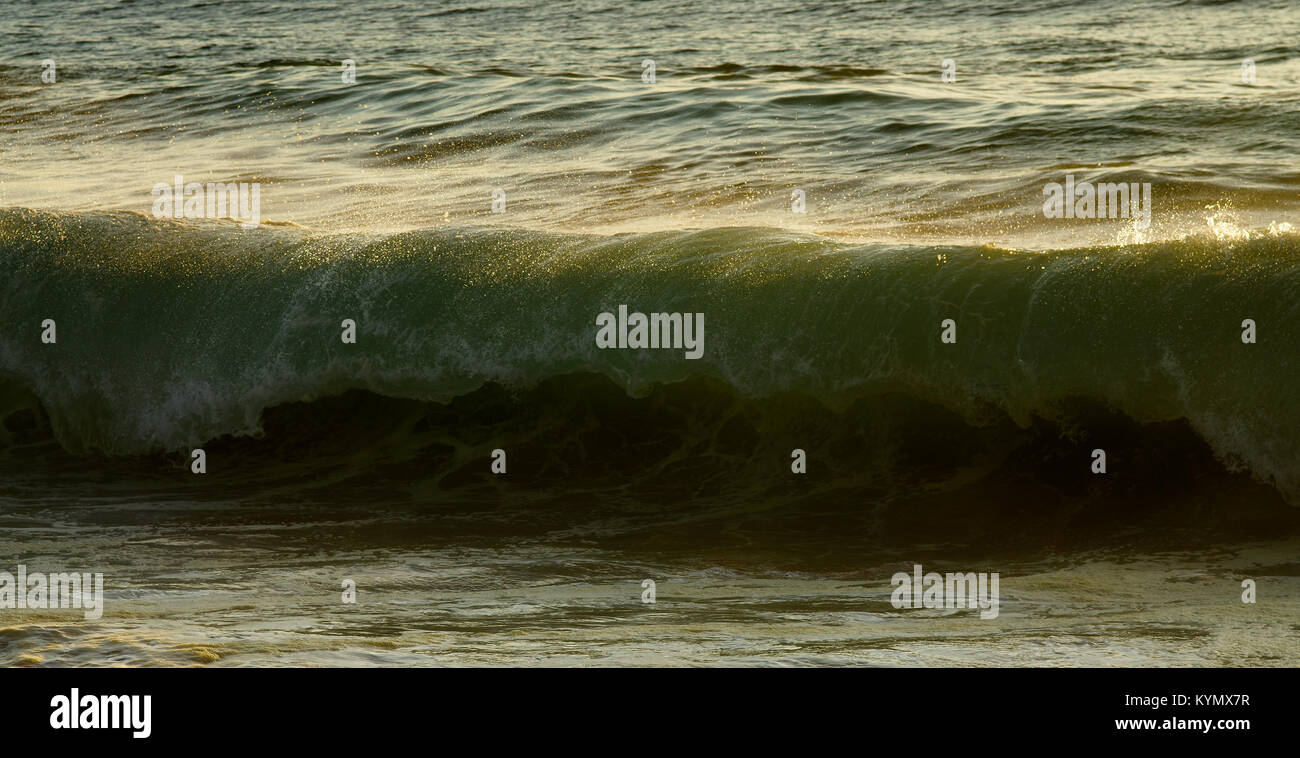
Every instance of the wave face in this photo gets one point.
(170, 335)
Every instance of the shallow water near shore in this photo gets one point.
(231, 590)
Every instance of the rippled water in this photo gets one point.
(750, 102)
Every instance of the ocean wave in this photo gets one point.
(171, 334)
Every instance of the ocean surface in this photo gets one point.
(501, 173)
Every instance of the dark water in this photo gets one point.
(476, 332)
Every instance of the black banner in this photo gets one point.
(329, 707)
